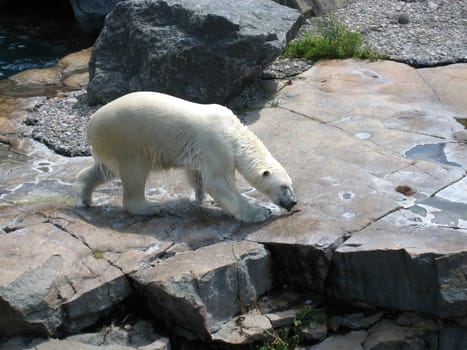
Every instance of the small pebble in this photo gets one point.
(403, 18)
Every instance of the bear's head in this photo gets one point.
(277, 185)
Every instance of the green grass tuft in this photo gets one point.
(98, 254)
(332, 40)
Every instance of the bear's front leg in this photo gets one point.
(222, 188)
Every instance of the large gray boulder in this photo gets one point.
(90, 14)
(198, 291)
(201, 53)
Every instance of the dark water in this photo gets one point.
(21, 51)
(36, 34)
(430, 152)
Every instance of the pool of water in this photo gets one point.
(430, 152)
(33, 35)
(20, 51)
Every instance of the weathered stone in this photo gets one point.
(71, 71)
(56, 344)
(414, 320)
(448, 82)
(201, 289)
(354, 321)
(75, 69)
(90, 14)
(350, 341)
(397, 264)
(313, 333)
(315, 7)
(45, 76)
(451, 338)
(49, 280)
(244, 329)
(282, 318)
(201, 53)
(388, 335)
(403, 18)
(139, 335)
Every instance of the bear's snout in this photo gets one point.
(287, 200)
(288, 204)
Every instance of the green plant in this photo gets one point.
(332, 40)
(288, 338)
(98, 254)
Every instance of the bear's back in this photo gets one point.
(146, 107)
(150, 122)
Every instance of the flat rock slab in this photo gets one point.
(370, 147)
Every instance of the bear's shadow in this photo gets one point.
(180, 221)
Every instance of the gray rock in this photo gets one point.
(313, 333)
(452, 338)
(285, 67)
(354, 321)
(139, 335)
(244, 329)
(57, 344)
(54, 283)
(283, 318)
(90, 14)
(398, 265)
(414, 320)
(199, 290)
(204, 54)
(388, 335)
(403, 18)
(315, 7)
(350, 341)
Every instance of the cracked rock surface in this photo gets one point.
(380, 177)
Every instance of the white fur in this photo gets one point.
(145, 131)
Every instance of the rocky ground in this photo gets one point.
(418, 32)
(382, 221)
(381, 226)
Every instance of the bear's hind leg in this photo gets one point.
(196, 181)
(90, 178)
(133, 178)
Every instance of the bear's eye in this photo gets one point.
(266, 173)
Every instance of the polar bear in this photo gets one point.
(144, 131)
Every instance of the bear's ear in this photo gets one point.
(266, 173)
